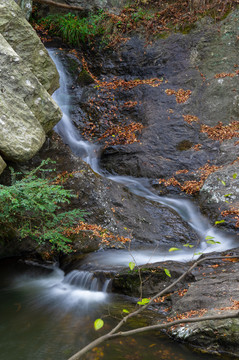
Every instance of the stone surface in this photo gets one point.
(23, 39)
(21, 135)
(17, 78)
(26, 6)
(26, 73)
(167, 143)
(2, 164)
(223, 182)
(112, 206)
(113, 6)
(153, 276)
(27, 110)
(216, 291)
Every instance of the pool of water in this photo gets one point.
(44, 317)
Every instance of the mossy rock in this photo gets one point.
(85, 78)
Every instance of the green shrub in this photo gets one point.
(76, 31)
(32, 207)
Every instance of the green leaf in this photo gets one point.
(131, 265)
(234, 176)
(226, 195)
(188, 245)
(212, 242)
(209, 237)
(167, 272)
(198, 253)
(125, 311)
(223, 183)
(219, 222)
(173, 249)
(144, 301)
(98, 324)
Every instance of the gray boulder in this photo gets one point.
(26, 6)
(16, 77)
(27, 111)
(2, 164)
(23, 39)
(21, 134)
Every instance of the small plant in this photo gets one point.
(74, 30)
(32, 207)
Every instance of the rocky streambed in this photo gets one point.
(165, 113)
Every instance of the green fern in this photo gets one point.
(32, 207)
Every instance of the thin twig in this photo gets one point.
(113, 333)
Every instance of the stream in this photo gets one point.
(48, 315)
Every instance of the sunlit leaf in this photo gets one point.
(212, 242)
(223, 183)
(144, 301)
(219, 222)
(125, 311)
(209, 237)
(131, 265)
(167, 272)
(234, 176)
(198, 253)
(188, 245)
(226, 195)
(98, 324)
(173, 249)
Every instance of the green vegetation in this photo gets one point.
(105, 29)
(32, 207)
(74, 30)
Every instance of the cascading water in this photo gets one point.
(87, 280)
(48, 315)
(186, 209)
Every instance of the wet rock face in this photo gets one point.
(203, 62)
(189, 62)
(214, 291)
(210, 289)
(153, 276)
(114, 207)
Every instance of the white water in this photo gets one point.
(186, 209)
(57, 291)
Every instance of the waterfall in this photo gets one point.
(87, 280)
(89, 153)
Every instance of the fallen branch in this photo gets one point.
(113, 333)
(56, 4)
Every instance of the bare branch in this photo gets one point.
(174, 323)
(63, 6)
(113, 333)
